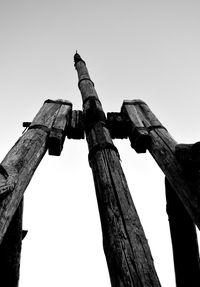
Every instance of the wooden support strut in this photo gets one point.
(184, 241)
(10, 250)
(72, 127)
(21, 162)
(162, 147)
(127, 252)
(16, 171)
(138, 134)
(59, 127)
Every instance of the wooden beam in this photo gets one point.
(138, 134)
(10, 250)
(184, 241)
(59, 128)
(127, 252)
(162, 148)
(118, 125)
(75, 129)
(20, 163)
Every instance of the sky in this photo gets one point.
(137, 49)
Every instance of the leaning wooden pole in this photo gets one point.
(127, 252)
(16, 170)
(19, 165)
(184, 241)
(163, 149)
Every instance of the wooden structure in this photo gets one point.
(184, 241)
(126, 249)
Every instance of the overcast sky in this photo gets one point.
(137, 49)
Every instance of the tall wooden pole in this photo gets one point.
(127, 252)
(184, 241)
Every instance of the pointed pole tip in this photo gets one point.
(77, 58)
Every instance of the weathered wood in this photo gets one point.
(118, 125)
(21, 162)
(26, 124)
(24, 233)
(184, 241)
(138, 134)
(127, 252)
(162, 148)
(75, 129)
(10, 250)
(188, 155)
(59, 127)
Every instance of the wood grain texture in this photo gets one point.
(127, 252)
(138, 134)
(22, 161)
(162, 147)
(58, 131)
(184, 241)
(75, 129)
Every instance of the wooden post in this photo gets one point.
(127, 252)
(138, 134)
(59, 127)
(162, 147)
(184, 241)
(19, 165)
(10, 250)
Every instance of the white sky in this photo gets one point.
(133, 49)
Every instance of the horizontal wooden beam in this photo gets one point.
(118, 125)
